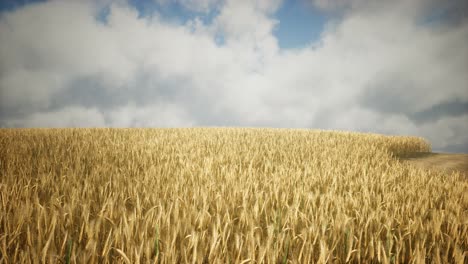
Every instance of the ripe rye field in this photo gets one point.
(225, 195)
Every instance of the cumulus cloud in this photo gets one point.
(161, 115)
(379, 67)
(65, 117)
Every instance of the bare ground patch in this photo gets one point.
(447, 162)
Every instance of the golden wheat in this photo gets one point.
(224, 195)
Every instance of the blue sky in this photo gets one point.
(11, 5)
(299, 24)
(392, 67)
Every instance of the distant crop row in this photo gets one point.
(224, 195)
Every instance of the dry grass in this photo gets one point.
(222, 195)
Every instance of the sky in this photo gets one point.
(391, 67)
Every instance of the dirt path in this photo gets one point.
(447, 162)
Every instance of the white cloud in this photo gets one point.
(266, 6)
(167, 115)
(247, 31)
(450, 131)
(22, 87)
(369, 71)
(66, 117)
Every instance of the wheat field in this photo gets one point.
(224, 195)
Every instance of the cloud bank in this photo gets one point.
(395, 68)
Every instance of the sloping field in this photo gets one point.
(225, 195)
